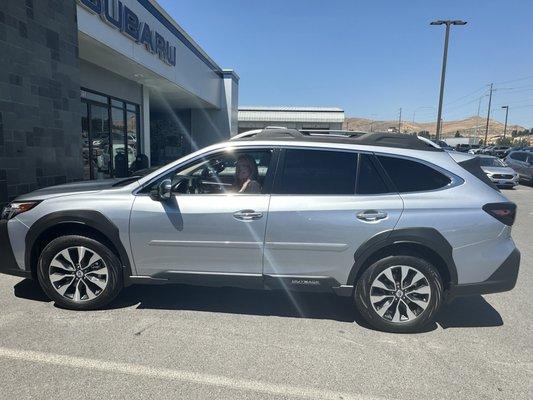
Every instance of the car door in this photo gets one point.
(316, 220)
(517, 162)
(209, 229)
(528, 167)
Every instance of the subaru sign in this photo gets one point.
(122, 18)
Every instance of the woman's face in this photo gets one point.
(243, 170)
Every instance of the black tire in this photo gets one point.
(114, 276)
(423, 319)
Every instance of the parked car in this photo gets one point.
(487, 150)
(475, 150)
(498, 172)
(522, 163)
(499, 151)
(463, 147)
(388, 219)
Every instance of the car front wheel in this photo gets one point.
(79, 273)
(399, 294)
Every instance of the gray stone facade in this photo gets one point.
(40, 140)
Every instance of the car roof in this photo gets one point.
(395, 140)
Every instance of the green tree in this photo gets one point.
(458, 134)
(504, 141)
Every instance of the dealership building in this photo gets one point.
(302, 118)
(92, 89)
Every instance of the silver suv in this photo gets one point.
(522, 163)
(388, 219)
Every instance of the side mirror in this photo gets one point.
(163, 190)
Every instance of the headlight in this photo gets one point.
(16, 208)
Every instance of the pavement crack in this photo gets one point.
(140, 332)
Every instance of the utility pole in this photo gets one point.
(506, 114)
(478, 109)
(400, 122)
(448, 23)
(488, 116)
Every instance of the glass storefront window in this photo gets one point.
(93, 96)
(132, 136)
(110, 136)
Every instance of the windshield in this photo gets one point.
(491, 162)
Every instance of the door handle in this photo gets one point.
(247, 215)
(371, 215)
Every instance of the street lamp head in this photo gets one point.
(505, 106)
(448, 22)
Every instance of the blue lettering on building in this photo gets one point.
(122, 18)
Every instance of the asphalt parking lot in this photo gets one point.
(187, 342)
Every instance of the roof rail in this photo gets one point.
(397, 140)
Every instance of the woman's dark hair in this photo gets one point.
(251, 165)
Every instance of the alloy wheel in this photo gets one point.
(78, 274)
(400, 294)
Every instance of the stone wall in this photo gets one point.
(40, 139)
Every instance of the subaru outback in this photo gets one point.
(390, 220)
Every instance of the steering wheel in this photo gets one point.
(189, 185)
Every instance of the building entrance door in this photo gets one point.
(109, 129)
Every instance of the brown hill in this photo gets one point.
(466, 127)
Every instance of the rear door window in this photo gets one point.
(369, 180)
(316, 172)
(412, 176)
(519, 156)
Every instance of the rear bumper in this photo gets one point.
(8, 263)
(502, 280)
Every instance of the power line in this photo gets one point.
(484, 87)
(515, 80)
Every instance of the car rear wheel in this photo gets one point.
(399, 294)
(79, 273)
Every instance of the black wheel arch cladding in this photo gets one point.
(85, 218)
(428, 238)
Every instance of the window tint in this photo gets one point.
(368, 180)
(412, 176)
(518, 156)
(317, 172)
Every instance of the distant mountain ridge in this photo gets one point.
(466, 127)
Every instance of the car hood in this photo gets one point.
(68, 189)
(499, 170)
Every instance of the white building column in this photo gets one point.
(231, 92)
(145, 121)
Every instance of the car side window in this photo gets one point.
(412, 176)
(518, 156)
(316, 172)
(369, 180)
(237, 172)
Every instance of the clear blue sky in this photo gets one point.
(370, 57)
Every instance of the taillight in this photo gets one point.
(503, 212)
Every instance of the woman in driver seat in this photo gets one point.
(246, 175)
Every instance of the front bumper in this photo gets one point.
(502, 280)
(8, 263)
(505, 182)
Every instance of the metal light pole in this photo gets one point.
(506, 114)
(448, 23)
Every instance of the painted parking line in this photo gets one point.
(177, 375)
